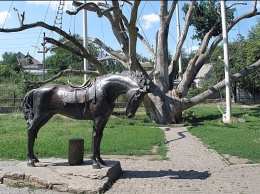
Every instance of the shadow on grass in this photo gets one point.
(255, 112)
(197, 119)
(193, 118)
(180, 174)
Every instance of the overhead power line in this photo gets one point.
(7, 14)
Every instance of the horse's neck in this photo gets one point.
(116, 85)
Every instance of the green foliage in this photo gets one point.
(62, 59)
(6, 71)
(113, 66)
(25, 86)
(194, 92)
(240, 139)
(9, 59)
(253, 44)
(242, 53)
(205, 16)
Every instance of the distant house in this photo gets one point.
(147, 66)
(205, 72)
(30, 64)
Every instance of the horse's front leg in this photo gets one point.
(95, 137)
(99, 159)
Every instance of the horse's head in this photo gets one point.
(135, 96)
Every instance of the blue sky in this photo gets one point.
(148, 23)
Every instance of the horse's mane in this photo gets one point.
(143, 82)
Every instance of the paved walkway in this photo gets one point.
(191, 168)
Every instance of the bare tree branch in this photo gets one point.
(112, 58)
(88, 6)
(61, 45)
(109, 50)
(171, 11)
(85, 53)
(148, 47)
(94, 73)
(19, 18)
(221, 85)
(180, 43)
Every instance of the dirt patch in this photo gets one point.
(235, 159)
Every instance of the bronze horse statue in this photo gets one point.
(94, 100)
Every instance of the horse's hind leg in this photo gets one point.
(33, 130)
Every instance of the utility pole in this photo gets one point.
(227, 115)
(43, 60)
(85, 41)
(178, 36)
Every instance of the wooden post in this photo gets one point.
(14, 98)
(76, 151)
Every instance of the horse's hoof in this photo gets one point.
(96, 166)
(30, 164)
(35, 160)
(101, 162)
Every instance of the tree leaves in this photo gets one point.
(206, 14)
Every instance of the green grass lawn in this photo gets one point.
(122, 136)
(136, 136)
(241, 139)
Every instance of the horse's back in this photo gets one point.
(47, 96)
(62, 99)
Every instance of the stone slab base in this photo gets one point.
(58, 175)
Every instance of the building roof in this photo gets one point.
(31, 60)
(20, 55)
(205, 70)
(146, 64)
(28, 61)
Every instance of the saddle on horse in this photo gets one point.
(85, 85)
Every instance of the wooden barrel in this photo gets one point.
(76, 151)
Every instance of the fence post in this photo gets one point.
(14, 98)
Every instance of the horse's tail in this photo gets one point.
(28, 107)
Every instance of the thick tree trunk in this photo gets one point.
(163, 112)
(163, 108)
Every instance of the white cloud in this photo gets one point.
(190, 49)
(150, 20)
(3, 16)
